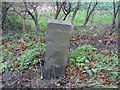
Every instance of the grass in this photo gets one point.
(98, 18)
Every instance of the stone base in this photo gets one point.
(54, 72)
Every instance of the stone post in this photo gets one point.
(57, 46)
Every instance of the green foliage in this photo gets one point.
(30, 58)
(23, 53)
(81, 55)
(100, 6)
(12, 23)
(93, 62)
(104, 17)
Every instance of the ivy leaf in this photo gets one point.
(90, 72)
(82, 64)
(86, 67)
(94, 70)
(87, 61)
(78, 64)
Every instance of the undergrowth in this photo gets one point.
(21, 52)
(87, 62)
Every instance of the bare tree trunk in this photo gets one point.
(114, 15)
(115, 12)
(36, 20)
(119, 31)
(65, 17)
(118, 19)
(59, 7)
(37, 25)
(5, 8)
(90, 12)
(66, 14)
(66, 11)
(74, 14)
(35, 15)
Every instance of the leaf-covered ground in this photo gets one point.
(22, 54)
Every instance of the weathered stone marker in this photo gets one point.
(57, 45)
